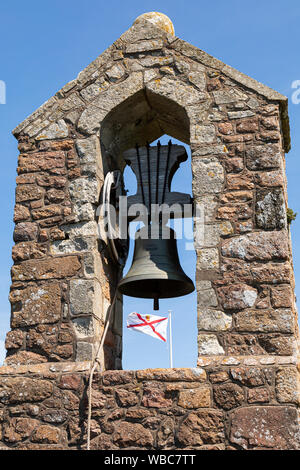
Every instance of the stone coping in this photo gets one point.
(184, 373)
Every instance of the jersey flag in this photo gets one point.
(152, 325)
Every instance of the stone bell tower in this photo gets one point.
(244, 392)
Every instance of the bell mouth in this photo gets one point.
(156, 288)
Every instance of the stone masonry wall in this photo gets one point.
(62, 280)
(146, 84)
(217, 407)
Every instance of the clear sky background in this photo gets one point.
(44, 45)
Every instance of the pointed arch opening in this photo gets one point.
(144, 118)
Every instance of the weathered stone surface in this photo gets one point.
(138, 413)
(22, 390)
(115, 73)
(90, 119)
(180, 93)
(268, 136)
(213, 320)
(208, 258)
(82, 293)
(71, 102)
(250, 376)
(263, 246)
(126, 397)
(202, 427)
(24, 357)
(51, 268)
(154, 396)
(146, 20)
(287, 385)
(116, 377)
(240, 182)
(166, 434)
(237, 297)
(240, 114)
(270, 209)
(51, 181)
(92, 91)
(36, 305)
(230, 96)
(14, 339)
(41, 161)
(106, 100)
(193, 374)
(57, 130)
(21, 213)
(76, 245)
(198, 79)
(206, 297)
(154, 44)
(265, 321)
(270, 179)
(47, 434)
(244, 226)
(250, 125)
(132, 435)
(272, 273)
(28, 192)
(208, 177)
(281, 296)
(54, 416)
(233, 212)
(234, 165)
(47, 211)
(271, 427)
(70, 381)
(83, 327)
(25, 231)
(28, 250)
(225, 128)
(209, 345)
(258, 395)
(84, 351)
(84, 190)
(18, 429)
(66, 144)
(228, 395)
(278, 344)
(55, 195)
(204, 134)
(218, 376)
(243, 344)
(88, 150)
(195, 398)
(236, 196)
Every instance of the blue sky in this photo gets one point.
(45, 44)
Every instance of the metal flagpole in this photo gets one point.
(170, 334)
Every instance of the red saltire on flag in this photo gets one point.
(152, 325)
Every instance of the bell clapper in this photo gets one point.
(156, 303)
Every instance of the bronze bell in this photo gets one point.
(156, 271)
